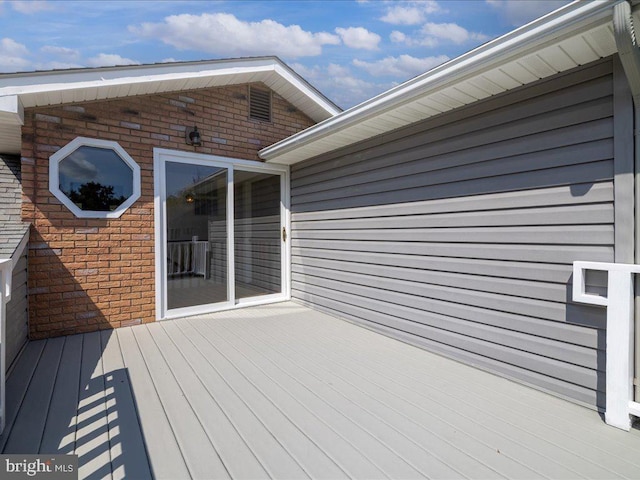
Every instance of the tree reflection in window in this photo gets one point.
(95, 179)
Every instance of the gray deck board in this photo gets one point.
(282, 391)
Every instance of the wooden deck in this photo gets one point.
(285, 392)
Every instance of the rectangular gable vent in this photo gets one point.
(260, 104)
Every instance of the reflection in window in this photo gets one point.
(95, 179)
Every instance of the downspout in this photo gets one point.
(629, 54)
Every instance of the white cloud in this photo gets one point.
(31, 6)
(519, 12)
(340, 84)
(358, 37)
(435, 32)
(404, 66)
(63, 52)
(224, 34)
(109, 59)
(12, 55)
(410, 13)
(397, 37)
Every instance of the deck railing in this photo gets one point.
(187, 258)
(620, 330)
(6, 268)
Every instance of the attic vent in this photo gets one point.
(259, 104)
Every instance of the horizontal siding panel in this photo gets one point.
(483, 283)
(458, 234)
(443, 155)
(532, 162)
(575, 235)
(569, 215)
(546, 197)
(563, 254)
(494, 268)
(433, 297)
(594, 172)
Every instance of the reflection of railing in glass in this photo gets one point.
(187, 258)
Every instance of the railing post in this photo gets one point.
(619, 303)
(619, 348)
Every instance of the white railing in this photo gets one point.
(620, 326)
(6, 269)
(187, 258)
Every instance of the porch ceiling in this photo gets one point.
(283, 391)
(574, 35)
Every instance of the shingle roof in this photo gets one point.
(12, 228)
(11, 235)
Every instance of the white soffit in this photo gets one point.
(34, 89)
(574, 35)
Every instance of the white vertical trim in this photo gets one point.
(619, 303)
(158, 209)
(6, 272)
(231, 238)
(285, 220)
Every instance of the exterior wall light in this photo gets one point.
(192, 137)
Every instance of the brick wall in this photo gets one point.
(91, 274)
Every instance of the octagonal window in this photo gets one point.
(94, 178)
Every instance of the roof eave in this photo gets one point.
(553, 27)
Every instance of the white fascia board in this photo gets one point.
(552, 28)
(307, 90)
(11, 110)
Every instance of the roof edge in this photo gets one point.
(551, 27)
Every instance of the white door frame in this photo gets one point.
(160, 157)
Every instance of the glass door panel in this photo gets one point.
(196, 219)
(257, 234)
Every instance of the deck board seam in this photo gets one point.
(186, 397)
(354, 421)
(155, 389)
(478, 440)
(327, 454)
(403, 373)
(53, 389)
(222, 409)
(356, 448)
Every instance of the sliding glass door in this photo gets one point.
(221, 233)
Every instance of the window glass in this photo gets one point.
(95, 179)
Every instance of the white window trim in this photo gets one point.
(160, 157)
(68, 149)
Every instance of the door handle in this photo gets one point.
(284, 234)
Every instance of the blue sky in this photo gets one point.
(349, 50)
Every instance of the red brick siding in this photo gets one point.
(91, 274)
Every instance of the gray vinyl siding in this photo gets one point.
(17, 311)
(458, 234)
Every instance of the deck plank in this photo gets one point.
(92, 431)
(349, 456)
(127, 449)
(493, 395)
(31, 418)
(315, 461)
(283, 391)
(18, 384)
(201, 457)
(59, 435)
(535, 453)
(423, 459)
(165, 456)
(242, 440)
